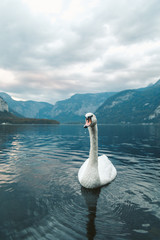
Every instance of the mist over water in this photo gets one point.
(41, 198)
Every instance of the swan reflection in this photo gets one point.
(91, 197)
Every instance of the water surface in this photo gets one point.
(41, 198)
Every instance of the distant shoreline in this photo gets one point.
(15, 121)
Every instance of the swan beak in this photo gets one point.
(88, 122)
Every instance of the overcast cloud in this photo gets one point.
(51, 49)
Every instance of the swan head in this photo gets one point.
(91, 120)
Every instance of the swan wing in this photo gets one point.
(107, 171)
(82, 170)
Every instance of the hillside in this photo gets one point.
(69, 110)
(29, 109)
(129, 106)
(132, 106)
(74, 108)
(10, 118)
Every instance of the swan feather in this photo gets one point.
(95, 171)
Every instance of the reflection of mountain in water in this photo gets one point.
(91, 197)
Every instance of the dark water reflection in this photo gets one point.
(40, 197)
(91, 197)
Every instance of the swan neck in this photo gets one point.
(93, 155)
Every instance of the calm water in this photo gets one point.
(40, 196)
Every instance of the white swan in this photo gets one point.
(95, 171)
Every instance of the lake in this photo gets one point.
(41, 198)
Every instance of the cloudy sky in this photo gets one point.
(51, 49)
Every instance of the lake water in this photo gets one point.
(41, 198)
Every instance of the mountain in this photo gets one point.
(157, 84)
(69, 110)
(29, 109)
(132, 106)
(8, 117)
(74, 108)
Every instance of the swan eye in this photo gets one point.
(87, 118)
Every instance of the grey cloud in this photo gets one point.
(139, 22)
(43, 54)
(21, 34)
(131, 22)
(113, 65)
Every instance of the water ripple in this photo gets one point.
(41, 197)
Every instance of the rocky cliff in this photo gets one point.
(3, 105)
(132, 106)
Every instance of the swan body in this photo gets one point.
(95, 171)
